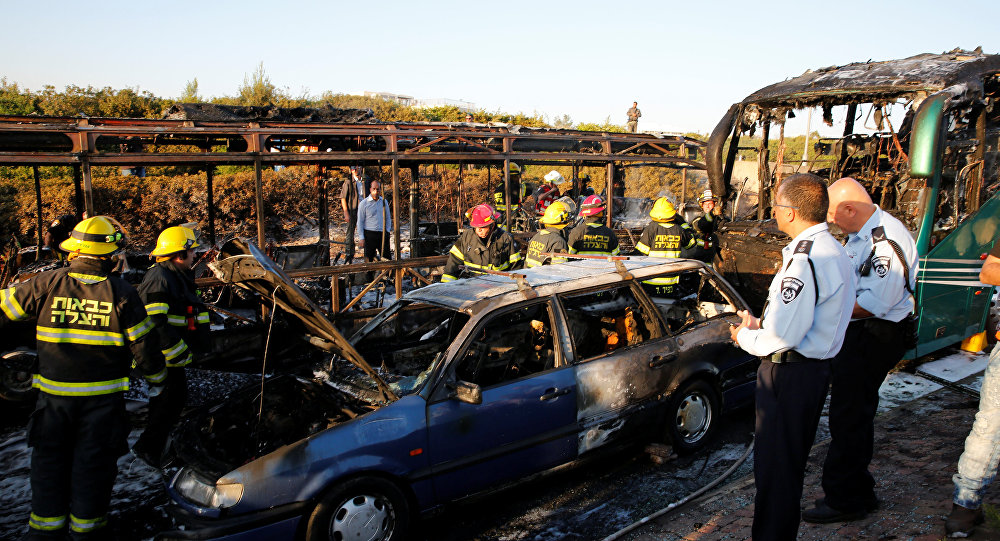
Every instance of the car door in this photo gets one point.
(526, 421)
(619, 348)
(698, 316)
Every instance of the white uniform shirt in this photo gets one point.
(796, 316)
(373, 216)
(883, 292)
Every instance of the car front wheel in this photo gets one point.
(361, 509)
(692, 415)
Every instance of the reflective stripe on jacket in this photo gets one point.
(547, 240)
(89, 327)
(593, 238)
(173, 305)
(498, 251)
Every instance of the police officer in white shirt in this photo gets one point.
(808, 308)
(886, 275)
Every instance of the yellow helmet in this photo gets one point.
(97, 236)
(556, 214)
(174, 239)
(515, 169)
(663, 210)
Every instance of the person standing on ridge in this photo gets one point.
(633, 117)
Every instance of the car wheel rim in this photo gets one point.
(694, 417)
(363, 518)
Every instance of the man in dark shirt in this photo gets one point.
(351, 194)
(633, 117)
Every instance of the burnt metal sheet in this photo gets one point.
(924, 72)
(470, 295)
(244, 265)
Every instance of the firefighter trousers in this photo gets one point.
(164, 411)
(76, 442)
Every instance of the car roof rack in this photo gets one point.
(619, 266)
(522, 281)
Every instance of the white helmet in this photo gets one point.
(554, 177)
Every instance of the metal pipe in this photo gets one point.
(88, 188)
(258, 189)
(210, 196)
(38, 207)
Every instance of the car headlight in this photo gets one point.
(219, 494)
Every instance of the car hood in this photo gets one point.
(244, 265)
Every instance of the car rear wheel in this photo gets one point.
(361, 509)
(16, 375)
(692, 416)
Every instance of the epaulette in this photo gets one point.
(878, 234)
(803, 247)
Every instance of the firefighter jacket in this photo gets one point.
(706, 241)
(89, 327)
(672, 238)
(549, 240)
(517, 193)
(498, 251)
(593, 238)
(180, 318)
(545, 195)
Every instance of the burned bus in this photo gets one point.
(919, 133)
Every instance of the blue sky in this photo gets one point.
(684, 62)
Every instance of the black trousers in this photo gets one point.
(164, 411)
(871, 348)
(790, 400)
(375, 241)
(76, 442)
(352, 224)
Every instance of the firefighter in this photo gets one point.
(592, 237)
(57, 232)
(668, 235)
(550, 238)
(548, 192)
(483, 246)
(704, 227)
(89, 327)
(181, 325)
(517, 193)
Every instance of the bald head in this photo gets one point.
(850, 205)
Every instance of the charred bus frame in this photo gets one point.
(86, 142)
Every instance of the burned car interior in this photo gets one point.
(510, 346)
(604, 321)
(403, 342)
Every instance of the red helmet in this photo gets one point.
(483, 216)
(592, 205)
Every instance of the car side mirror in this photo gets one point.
(470, 393)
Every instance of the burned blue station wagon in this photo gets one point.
(457, 389)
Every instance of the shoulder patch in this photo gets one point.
(790, 288)
(880, 264)
(878, 234)
(803, 247)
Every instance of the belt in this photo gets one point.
(790, 356)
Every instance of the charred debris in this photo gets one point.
(876, 104)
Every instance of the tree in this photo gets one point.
(564, 122)
(15, 102)
(257, 89)
(190, 94)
